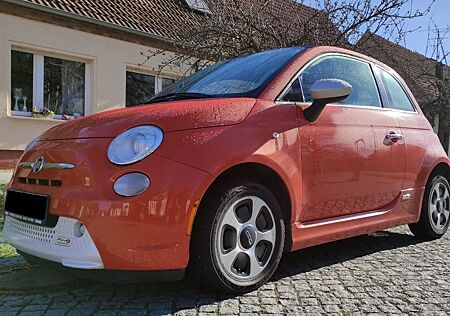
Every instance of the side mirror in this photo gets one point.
(324, 92)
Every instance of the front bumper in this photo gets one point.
(147, 232)
(61, 244)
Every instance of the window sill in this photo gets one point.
(29, 116)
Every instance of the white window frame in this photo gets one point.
(38, 81)
(158, 78)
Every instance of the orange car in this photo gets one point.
(228, 168)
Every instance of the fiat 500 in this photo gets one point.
(226, 169)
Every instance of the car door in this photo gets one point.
(415, 127)
(349, 165)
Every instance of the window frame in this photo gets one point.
(147, 72)
(279, 98)
(385, 91)
(38, 80)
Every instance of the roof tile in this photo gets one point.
(166, 18)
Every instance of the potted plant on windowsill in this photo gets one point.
(42, 113)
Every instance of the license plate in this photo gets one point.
(27, 206)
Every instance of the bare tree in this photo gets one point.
(439, 105)
(238, 27)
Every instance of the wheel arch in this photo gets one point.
(263, 174)
(442, 168)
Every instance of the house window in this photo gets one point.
(22, 81)
(47, 86)
(140, 87)
(166, 82)
(64, 84)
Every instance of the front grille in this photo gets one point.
(43, 182)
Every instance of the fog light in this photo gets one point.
(79, 230)
(131, 184)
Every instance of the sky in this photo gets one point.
(440, 14)
(417, 41)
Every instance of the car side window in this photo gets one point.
(358, 73)
(397, 97)
(295, 92)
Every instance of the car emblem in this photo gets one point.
(38, 164)
(249, 237)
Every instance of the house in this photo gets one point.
(80, 57)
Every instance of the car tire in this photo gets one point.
(434, 217)
(238, 238)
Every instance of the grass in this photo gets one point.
(6, 251)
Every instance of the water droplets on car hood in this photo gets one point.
(170, 116)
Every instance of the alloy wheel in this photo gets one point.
(245, 240)
(439, 207)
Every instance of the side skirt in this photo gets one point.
(405, 209)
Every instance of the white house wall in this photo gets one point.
(108, 59)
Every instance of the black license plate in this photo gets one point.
(28, 206)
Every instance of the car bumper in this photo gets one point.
(62, 244)
(150, 231)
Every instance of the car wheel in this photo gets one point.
(434, 218)
(238, 239)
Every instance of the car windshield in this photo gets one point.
(245, 76)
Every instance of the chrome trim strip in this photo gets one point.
(346, 106)
(279, 98)
(48, 165)
(344, 218)
(26, 165)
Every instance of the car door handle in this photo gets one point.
(394, 137)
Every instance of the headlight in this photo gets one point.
(134, 144)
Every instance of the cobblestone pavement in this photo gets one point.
(389, 272)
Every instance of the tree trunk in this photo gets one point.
(444, 133)
(446, 141)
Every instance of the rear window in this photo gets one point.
(396, 95)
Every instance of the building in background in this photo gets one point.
(80, 57)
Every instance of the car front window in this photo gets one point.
(355, 72)
(245, 76)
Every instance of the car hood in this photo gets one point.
(169, 116)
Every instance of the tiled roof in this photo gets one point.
(417, 70)
(167, 19)
(162, 18)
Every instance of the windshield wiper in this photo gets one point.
(180, 96)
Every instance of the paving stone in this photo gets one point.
(389, 272)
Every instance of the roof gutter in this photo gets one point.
(89, 20)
